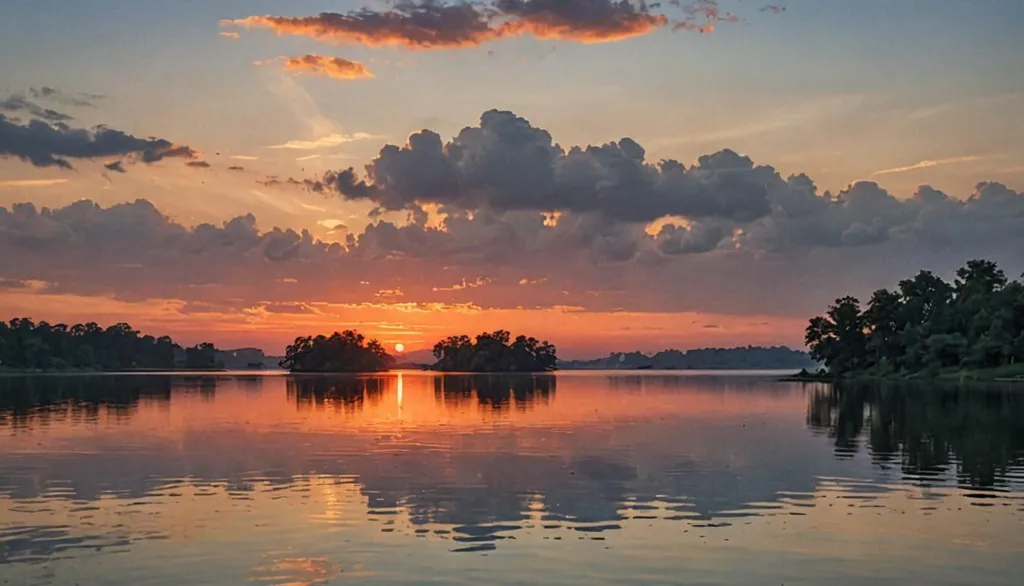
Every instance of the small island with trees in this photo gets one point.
(494, 352)
(351, 352)
(927, 328)
(348, 351)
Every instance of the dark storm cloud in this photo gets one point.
(51, 145)
(507, 164)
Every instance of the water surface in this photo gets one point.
(576, 478)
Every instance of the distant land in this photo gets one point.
(248, 359)
(748, 358)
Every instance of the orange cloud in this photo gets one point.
(585, 21)
(433, 25)
(430, 26)
(335, 67)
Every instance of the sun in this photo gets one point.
(399, 348)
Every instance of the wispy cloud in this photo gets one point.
(31, 182)
(331, 140)
(928, 164)
(230, 35)
(245, 158)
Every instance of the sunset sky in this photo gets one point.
(606, 174)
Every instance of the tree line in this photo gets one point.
(350, 351)
(28, 345)
(926, 326)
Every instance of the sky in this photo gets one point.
(606, 174)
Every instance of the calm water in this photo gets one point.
(591, 478)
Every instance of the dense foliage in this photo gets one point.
(26, 345)
(348, 351)
(494, 352)
(750, 357)
(926, 325)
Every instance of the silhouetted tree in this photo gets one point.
(494, 352)
(348, 351)
(926, 325)
(26, 345)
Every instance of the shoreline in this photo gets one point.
(1008, 374)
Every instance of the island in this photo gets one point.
(345, 352)
(927, 328)
(494, 352)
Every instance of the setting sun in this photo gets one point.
(399, 348)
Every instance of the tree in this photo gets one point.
(494, 352)
(27, 345)
(839, 339)
(926, 325)
(348, 351)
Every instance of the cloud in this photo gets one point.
(928, 165)
(31, 182)
(19, 103)
(334, 67)
(81, 99)
(245, 158)
(415, 25)
(434, 24)
(236, 168)
(507, 164)
(51, 145)
(331, 140)
(230, 35)
(608, 264)
(701, 15)
(587, 21)
(198, 164)
(116, 166)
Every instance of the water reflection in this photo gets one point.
(345, 393)
(931, 433)
(488, 464)
(496, 392)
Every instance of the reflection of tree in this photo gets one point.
(341, 393)
(498, 392)
(38, 399)
(926, 430)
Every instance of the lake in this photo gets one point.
(575, 478)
